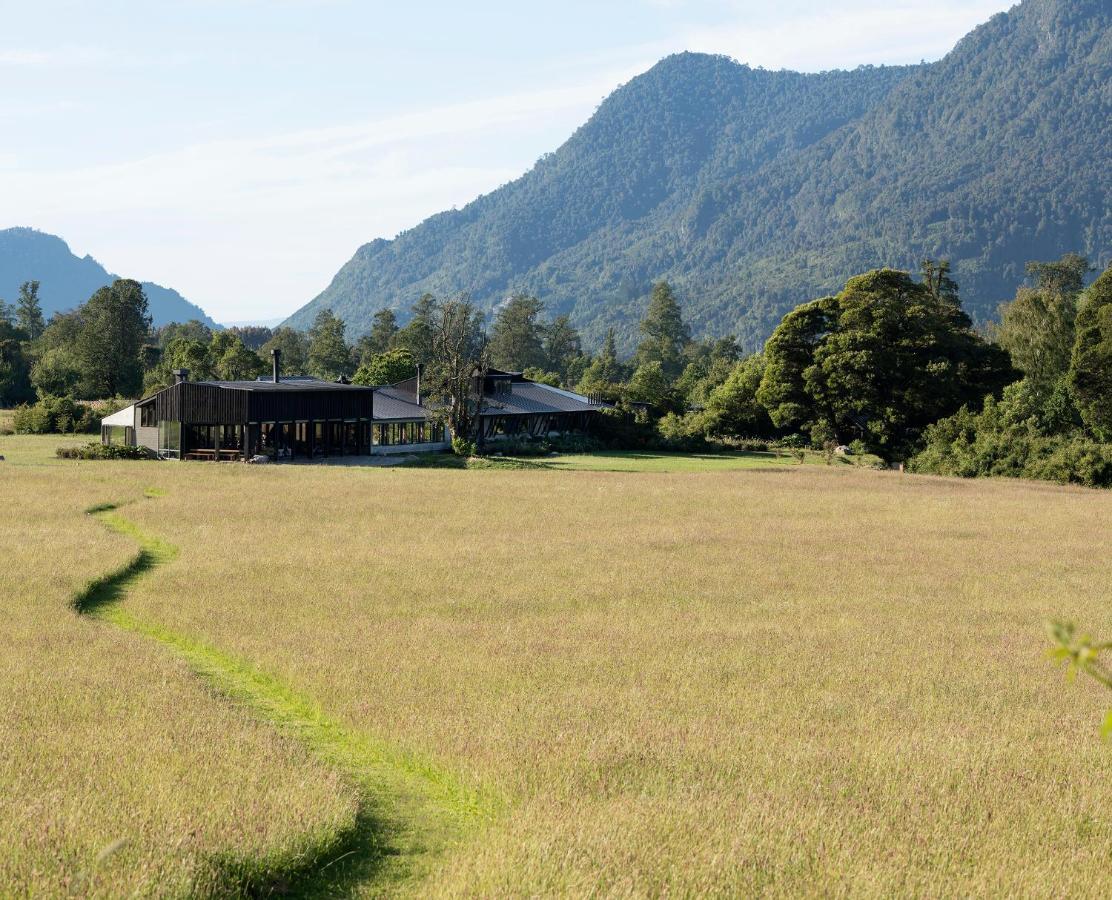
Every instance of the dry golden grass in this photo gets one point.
(802, 681)
(119, 773)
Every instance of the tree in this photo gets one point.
(936, 276)
(253, 336)
(1038, 327)
(57, 373)
(732, 408)
(231, 360)
(294, 348)
(460, 357)
(665, 333)
(386, 368)
(417, 335)
(29, 317)
(562, 347)
(15, 384)
(882, 360)
(540, 376)
(1090, 375)
(517, 337)
(183, 353)
(384, 328)
(329, 356)
(604, 371)
(650, 385)
(193, 330)
(789, 354)
(114, 325)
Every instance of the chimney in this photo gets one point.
(420, 372)
(277, 368)
(180, 375)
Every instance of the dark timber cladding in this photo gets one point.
(231, 403)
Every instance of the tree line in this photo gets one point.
(891, 365)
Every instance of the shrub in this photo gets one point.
(461, 446)
(94, 450)
(55, 415)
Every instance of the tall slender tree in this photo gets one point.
(517, 337)
(329, 355)
(29, 317)
(665, 333)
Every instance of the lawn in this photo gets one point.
(703, 676)
(655, 461)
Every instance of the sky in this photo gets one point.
(240, 151)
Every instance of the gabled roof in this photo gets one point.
(531, 398)
(393, 403)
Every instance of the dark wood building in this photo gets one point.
(306, 418)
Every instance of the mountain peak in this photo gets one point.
(68, 280)
(753, 190)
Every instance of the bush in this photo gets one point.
(461, 446)
(94, 450)
(682, 432)
(55, 415)
(998, 442)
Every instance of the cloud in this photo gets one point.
(255, 226)
(843, 35)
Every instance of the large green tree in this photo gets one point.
(881, 361)
(665, 333)
(329, 354)
(517, 336)
(386, 368)
(1091, 364)
(732, 408)
(114, 325)
(232, 360)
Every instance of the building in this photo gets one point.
(307, 418)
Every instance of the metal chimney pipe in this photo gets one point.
(180, 375)
(420, 372)
(277, 367)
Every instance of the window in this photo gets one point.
(169, 438)
(146, 416)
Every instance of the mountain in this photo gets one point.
(752, 191)
(68, 281)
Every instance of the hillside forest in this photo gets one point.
(891, 365)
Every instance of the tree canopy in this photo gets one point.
(1091, 360)
(329, 356)
(880, 361)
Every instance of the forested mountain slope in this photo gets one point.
(752, 190)
(67, 280)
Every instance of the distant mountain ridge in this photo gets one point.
(68, 280)
(752, 191)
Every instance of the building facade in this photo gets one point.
(306, 418)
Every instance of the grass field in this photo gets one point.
(682, 677)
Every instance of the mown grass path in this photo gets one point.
(410, 810)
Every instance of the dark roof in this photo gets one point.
(530, 397)
(294, 384)
(395, 403)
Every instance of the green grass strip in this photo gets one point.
(411, 810)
